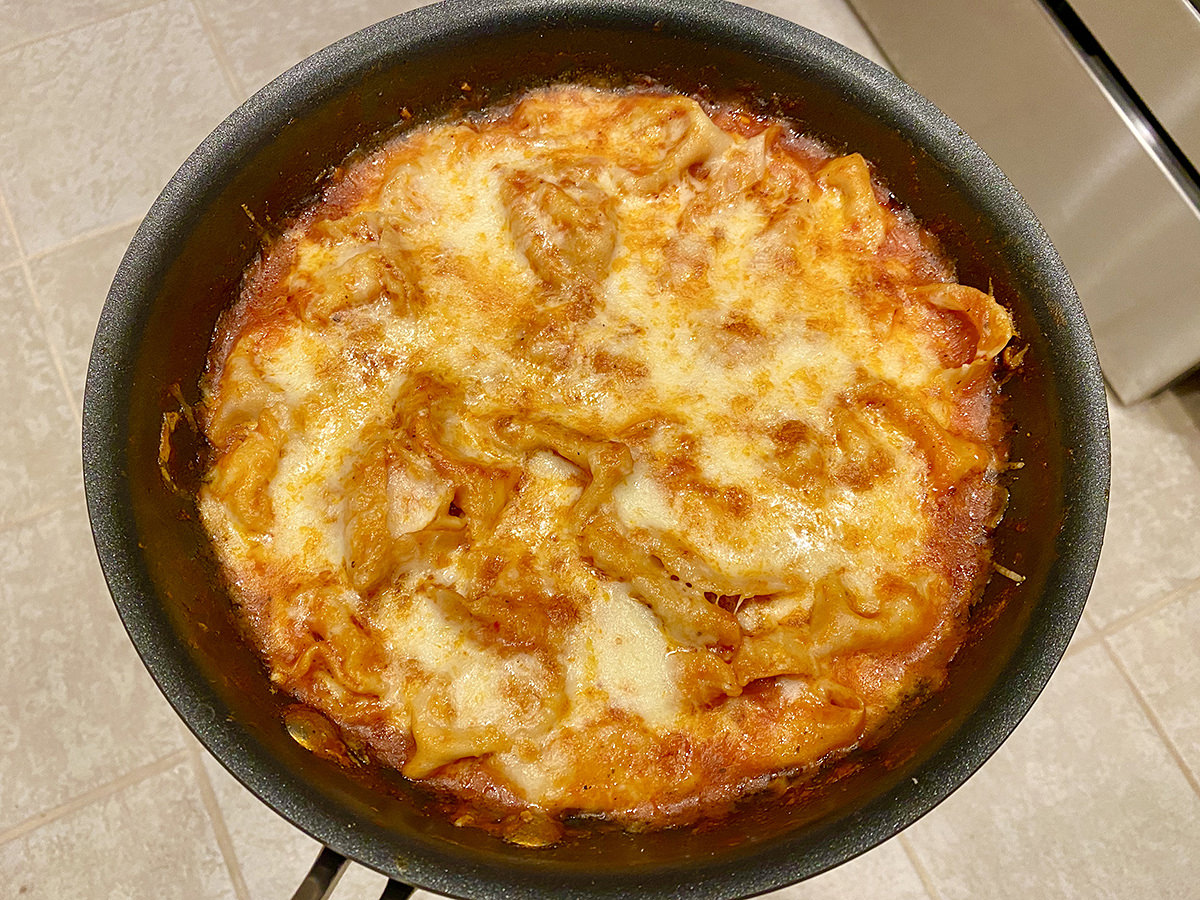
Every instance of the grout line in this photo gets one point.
(82, 23)
(84, 236)
(1155, 606)
(870, 32)
(217, 818)
(235, 86)
(1079, 645)
(7, 221)
(1155, 722)
(922, 873)
(37, 513)
(1102, 634)
(40, 315)
(6, 214)
(140, 774)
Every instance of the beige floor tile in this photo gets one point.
(273, 855)
(1083, 801)
(10, 254)
(1152, 544)
(78, 710)
(150, 841)
(1160, 654)
(1083, 636)
(90, 144)
(834, 20)
(71, 285)
(1083, 631)
(361, 883)
(262, 38)
(24, 22)
(40, 464)
(885, 873)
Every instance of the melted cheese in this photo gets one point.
(605, 454)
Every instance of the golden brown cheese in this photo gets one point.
(605, 454)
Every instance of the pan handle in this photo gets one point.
(323, 877)
(328, 869)
(396, 890)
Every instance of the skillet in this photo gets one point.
(183, 267)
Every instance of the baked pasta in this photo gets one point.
(605, 454)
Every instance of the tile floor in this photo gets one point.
(104, 794)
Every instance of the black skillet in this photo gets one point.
(183, 267)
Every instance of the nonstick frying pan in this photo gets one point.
(183, 267)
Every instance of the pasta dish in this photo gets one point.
(606, 454)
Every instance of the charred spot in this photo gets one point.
(489, 571)
(740, 327)
(682, 463)
(561, 610)
(792, 433)
(737, 500)
(860, 475)
(581, 307)
(739, 335)
(617, 364)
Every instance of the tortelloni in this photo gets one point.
(608, 453)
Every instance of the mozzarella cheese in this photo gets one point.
(604, 454)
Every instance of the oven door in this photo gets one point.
(1092, 108)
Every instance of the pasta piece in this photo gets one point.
(843, 620)
(992, 322)
(732, 180)
(847, 181)
(679, 134)
(368, 540)
(605, 462)
(245, 473)
(784, 650)
(441, 738)
(857, 455)
(687, 616)
(481, 491)
(343, 665)
(951, 458)
(562, 225)
(397, 515)
(704, 677)
(244, 396)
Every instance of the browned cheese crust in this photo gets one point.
(606, 453)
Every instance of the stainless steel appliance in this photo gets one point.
(1092, 108)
